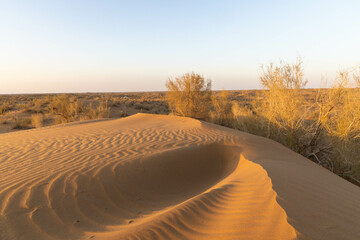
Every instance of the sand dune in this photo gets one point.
(164, 177)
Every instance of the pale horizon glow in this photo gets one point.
(130, 46)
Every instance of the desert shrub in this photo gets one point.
(221, 113)
(281, 112)
(282, 109)
(325, 129)
(23, 106)
(345, 122)
(189, 95)
(23, 123)
(5, 107)
(66, 107)
(37, 104)
(37, 120)
(246, 120)
(115, 102)
(70, 108)
(95, 112)
(343, 127)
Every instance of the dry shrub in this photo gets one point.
(221, 113)
(70, 108)
(343, 127)
(37, 104)
(23, 123)
(66, 107)
(37, 120)
(345, 122)
(326, 130)
(24, 106)
(189, 95)
(245, 120)
(5, 107)
(95, 112)
(283, 109)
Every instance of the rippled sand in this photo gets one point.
(164, 177)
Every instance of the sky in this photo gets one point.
(122, 46)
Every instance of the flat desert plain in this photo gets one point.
(166, 177)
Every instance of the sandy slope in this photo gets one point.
(162, 177)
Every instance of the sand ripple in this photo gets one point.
(159, 177)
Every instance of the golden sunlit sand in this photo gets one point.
(165, 177)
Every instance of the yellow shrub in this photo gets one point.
(37, 120)
(189, 95)
(66, 107)
(326, 130)
(283, 108)
(221, 113)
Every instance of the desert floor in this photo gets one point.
(164, 177)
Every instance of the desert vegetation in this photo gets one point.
(20, 112)
(321, 124)
(221, 112)
(71, 109)
(189, 95)
(324, 128)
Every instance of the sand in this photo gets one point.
(164, 177)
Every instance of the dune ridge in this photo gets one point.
(166, 177)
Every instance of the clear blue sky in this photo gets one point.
(80, 46)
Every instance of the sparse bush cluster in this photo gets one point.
(71, 109)
(324, 128)
(18, 112)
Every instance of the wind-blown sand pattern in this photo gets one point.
(164, 177)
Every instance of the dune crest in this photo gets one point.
(165, 177)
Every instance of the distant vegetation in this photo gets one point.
(71, 109)
(19, 112)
